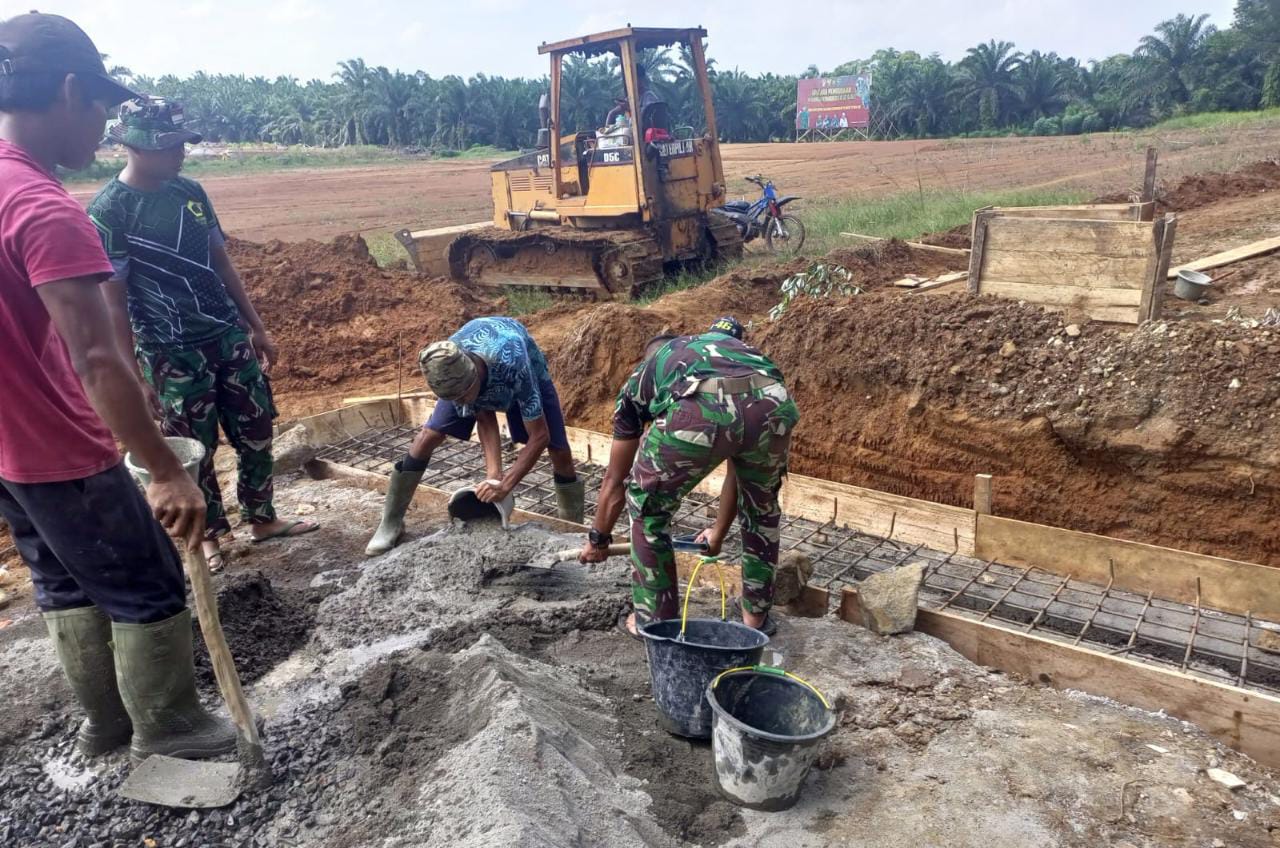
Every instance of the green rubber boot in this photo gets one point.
(571, 500)
(82, 638)
(399, 495)
(157, 675)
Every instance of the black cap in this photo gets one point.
(728, 325)
(36, 43)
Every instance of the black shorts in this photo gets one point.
(446, 419)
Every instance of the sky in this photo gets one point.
(307, 38)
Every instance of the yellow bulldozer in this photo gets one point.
(605, 212)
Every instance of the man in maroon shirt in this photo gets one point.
(107, 579)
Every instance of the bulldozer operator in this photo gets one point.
(653, 109)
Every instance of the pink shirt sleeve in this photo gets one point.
(55, 237)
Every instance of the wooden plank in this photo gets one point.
(981, 221)
(338, 424)
(1087, 211)
(354, 401)
(1245, 720)
(1145, 211)
(910, 281)
(1227, 257)
(953, 279)
(1120, 239)
(1153, 294)
(937, 248)
(1149, 176)
(1076, 296)
(982, 494)
(915, 522)
(1230, 585)
(1067, 269)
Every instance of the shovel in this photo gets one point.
(172, 782)
(550, 560)
(169, 781)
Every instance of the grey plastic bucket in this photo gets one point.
(681, 667)
(188, 451)
(1192, 285)
(765, 735)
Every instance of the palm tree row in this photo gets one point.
(1184, 66)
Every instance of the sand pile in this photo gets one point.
(337, 317)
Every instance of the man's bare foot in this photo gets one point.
(213, 556)
(752, 620)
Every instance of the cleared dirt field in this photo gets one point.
(324, 202)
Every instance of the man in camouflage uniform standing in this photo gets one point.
(708, 398)
(177, 300)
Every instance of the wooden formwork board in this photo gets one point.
(1182, 576)
(1089, 211)
(1245, 720)
(1106, 269)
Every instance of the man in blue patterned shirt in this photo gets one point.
(491, 365)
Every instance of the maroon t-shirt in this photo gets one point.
(48, 431)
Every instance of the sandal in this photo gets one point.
(622, 628)
(286, 532)
(216, 562)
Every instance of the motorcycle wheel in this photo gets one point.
(784, 235)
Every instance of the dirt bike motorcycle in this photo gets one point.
(782, 232)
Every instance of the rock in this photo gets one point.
(1235, 383)
(1225, 778)
(4, 599)
(1218, 843)
(292, 449)
(792, 575)
(1072, 330)
(889, 599)
(1008, 349)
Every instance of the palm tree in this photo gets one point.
(1041, 85)
(922, 97)
(738, 104)
(987, 74)
(1172, 51)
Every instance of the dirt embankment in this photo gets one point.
(340, 319)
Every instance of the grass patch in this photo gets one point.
(525, 300)
(1220, 121)
(247, 159)
(908, 216)
(385, 250)
(687, 278)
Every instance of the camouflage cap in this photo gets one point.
(448, 369)
(152, 123)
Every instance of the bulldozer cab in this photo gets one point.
(631, 166)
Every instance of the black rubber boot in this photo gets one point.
(400, 491)
(82, 638)
(156, 670)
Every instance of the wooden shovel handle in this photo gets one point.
(616, 549)
(224, 667)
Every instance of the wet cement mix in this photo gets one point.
(447, 695)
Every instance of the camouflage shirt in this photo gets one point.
(159, 243)
(670, 372)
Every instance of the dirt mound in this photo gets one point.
(1197, 190)
(338, 317)
(1104, 429)
(591, 350)
(262, 626)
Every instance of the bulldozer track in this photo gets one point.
(605, 264)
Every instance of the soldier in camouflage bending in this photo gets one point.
(178, 302)
(708, 399)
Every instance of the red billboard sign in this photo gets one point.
(834, 103)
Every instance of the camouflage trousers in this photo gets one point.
(753, 432)
(219, 384)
